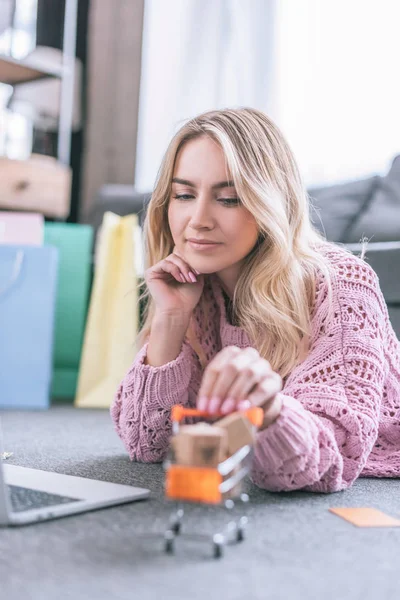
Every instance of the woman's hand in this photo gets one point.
(175, 287)
(238, 378)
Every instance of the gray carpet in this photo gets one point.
(295, 548)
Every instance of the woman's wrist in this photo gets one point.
(172, 319)
(166, 337)
(272, 411)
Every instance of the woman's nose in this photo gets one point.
(202, 214)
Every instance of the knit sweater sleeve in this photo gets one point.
(331, 402)
(142, 405)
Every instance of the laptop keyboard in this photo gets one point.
(28, 499)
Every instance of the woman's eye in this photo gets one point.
(183, 197)
(224, 201)
(229, 201)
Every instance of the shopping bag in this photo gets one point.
(21, 228)
(28, 280)
(74, 243)
(111, 328)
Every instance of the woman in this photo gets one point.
(248, 304)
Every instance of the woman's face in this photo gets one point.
(204, 206)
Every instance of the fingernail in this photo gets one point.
(244, 404)
(182, 278)
(196, 271)
(192, 277)
(214, 404)
(202, 403)
(228, 405)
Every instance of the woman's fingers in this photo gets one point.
(249, 378)
(265, 395)
(266, 390)
(221, 374)
(211, 375)
(237, 379)
(179, 255)
(176, 267)
(184, 268)
(167, 266)
(239, 370)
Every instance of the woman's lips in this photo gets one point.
(202, 246)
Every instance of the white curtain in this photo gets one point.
(339, 85)
(327, 71)
(200, 55)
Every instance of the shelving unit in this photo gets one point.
(14, 72)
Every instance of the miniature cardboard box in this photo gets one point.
(239, 431)
(200, 445)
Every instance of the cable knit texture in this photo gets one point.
(341, 406)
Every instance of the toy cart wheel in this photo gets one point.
(218, 550)
(169, 542)
(218, 546)
(229, 504)
(241, 529)
(176, 521)
(176, 527)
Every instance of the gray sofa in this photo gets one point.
(364, 208)
(120, 199)
(346, 213)
(368, 208)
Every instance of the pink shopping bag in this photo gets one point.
(21, 228)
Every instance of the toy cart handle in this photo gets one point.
(255, 414)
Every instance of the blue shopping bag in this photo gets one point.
(28, 278)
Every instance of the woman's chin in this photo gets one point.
(204, 271)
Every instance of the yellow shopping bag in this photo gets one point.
(109, 343)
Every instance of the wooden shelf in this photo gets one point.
(14, 71)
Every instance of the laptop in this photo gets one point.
(30, 495)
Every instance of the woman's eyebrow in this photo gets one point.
(216, 186)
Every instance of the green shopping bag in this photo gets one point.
(75, 243)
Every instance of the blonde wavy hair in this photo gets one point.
(274, 295)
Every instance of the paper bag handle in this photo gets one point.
(15, 272)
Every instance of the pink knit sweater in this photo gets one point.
(341, 406)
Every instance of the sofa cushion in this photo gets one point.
(338, 206)
(380, 220)
(120, 199)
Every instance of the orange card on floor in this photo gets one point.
(366, 517)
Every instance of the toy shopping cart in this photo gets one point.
(219, 485)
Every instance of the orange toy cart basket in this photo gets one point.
(204, 485)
